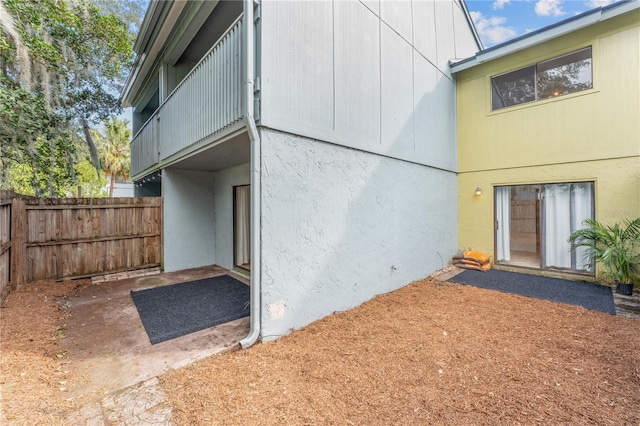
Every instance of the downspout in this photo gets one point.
(254, 137)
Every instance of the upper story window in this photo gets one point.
(554, 77)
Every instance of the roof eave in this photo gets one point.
(149, 43)
(548, 33)
(467, 15)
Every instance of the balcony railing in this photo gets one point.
(145, 150)
(207, 101)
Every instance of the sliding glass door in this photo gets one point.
(533, 224)
(565, 206)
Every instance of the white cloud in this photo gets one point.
(491, 30)
(549, 7)
(598, 3)
(499, 4)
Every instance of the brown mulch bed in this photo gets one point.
(33, 373)
(428, 353)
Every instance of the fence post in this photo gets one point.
(18, 243)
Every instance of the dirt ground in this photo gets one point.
(430, 353)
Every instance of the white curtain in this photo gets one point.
(582, 208)
(565, 208)
(243, 230)
(503, 217)
(556, 225)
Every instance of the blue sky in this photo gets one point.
(500, 20)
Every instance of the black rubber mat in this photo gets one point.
(172, 311)
(580, 293)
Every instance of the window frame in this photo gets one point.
(535, 65)
(541, 219)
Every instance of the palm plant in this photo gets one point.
(113, 146)
(615, 247)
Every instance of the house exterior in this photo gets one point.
(311, 145)
(121, 187)
(549, 133)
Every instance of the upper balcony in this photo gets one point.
(205, 105)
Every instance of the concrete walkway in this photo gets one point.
(142, 404)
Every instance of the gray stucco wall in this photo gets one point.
(225, 180)
(189, 227)
(198, 216)
(340, 226)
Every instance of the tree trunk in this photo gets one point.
(112, 185)
(32, 159)
(92, 146)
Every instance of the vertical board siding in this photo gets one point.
(144, 147)
(349, 72)
(357, 75)
(396, 94)
(303, 77)
(208, 100)
(75, 237)
(446, 35)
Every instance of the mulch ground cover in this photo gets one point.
(34, 376)
(430, 353)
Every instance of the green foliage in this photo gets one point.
(33, 140)
(114, 148)
(62, 65)
(130, 11)
(19, 179)
(40, 178)
(91, 184)
(35, 177)
(614, 247)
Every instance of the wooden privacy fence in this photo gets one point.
(56, 238)
(5, 246)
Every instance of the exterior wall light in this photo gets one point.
(478, 191)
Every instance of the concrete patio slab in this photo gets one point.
(109, 349)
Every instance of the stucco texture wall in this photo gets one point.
(189, 227)
(198, 216)
(340, 226)
(586, 136)
(224, 181)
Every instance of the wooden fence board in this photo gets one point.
(84, 237)
(69, 237)
(19, 230)
(5, 247)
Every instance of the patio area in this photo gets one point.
(108, 347)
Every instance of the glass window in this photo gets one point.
(564, 75)
(514, 88)
(554, 77)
